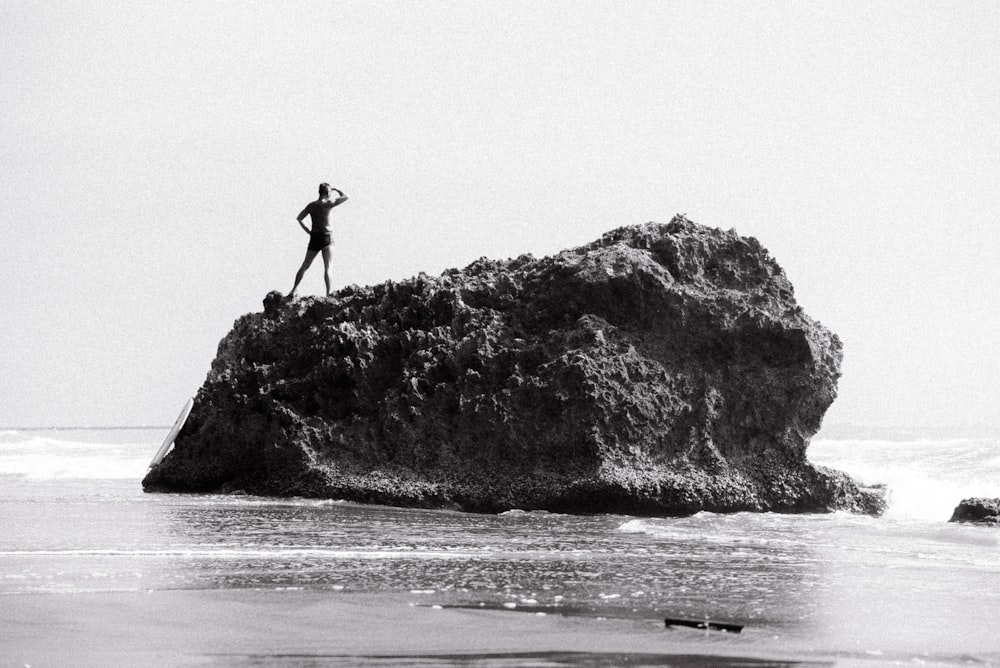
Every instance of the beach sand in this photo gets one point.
(320, 628)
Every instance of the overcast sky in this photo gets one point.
(154, 156)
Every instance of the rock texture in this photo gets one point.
(978, 510)
(662, 369)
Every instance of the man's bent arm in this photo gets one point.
(302, 215)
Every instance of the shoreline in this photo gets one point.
(308, 627)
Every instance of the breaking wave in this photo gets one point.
(926, 478)
(43, 457)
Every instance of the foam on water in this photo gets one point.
(926, 479)
(271, 553)
(43, 457)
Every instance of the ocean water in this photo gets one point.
(904, 589)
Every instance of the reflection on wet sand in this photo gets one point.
(696, 569)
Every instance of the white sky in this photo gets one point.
(154, 156)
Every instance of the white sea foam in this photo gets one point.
(707, 530)
(245, 553)
(240, 500)
(634, 526)
(926, 479)
(46, 458)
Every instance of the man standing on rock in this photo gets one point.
(319, 235)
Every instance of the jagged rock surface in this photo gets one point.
(663, 369)
(978, 510)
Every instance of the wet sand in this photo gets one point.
(318, 628)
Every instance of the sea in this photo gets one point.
(907, 588)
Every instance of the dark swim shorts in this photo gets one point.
(318, 242)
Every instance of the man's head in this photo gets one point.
(324, 190)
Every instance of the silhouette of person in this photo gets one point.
(319, 235)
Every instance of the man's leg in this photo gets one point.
(310, 256)
(326, 269)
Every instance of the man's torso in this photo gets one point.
(319, 213)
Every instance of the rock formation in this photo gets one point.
(662, 369)
(978, 510)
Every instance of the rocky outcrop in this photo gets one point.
(978, 510)
(662, 369)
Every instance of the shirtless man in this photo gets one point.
(319, 235)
